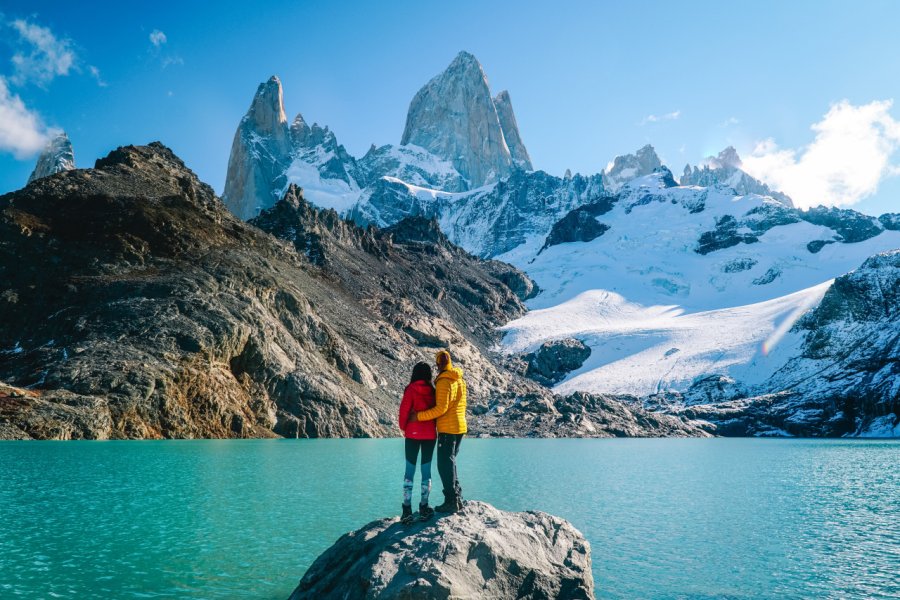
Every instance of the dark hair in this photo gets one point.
(421, 372)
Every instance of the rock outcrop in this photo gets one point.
(58, 156)
(454, 117)
(479, 552)
(553, 360)
(580, 224)
(579, 415)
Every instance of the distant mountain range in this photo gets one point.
(708, 300)
(669, 282)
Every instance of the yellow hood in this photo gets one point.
(451, 372)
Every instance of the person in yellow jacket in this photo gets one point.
(449, 413)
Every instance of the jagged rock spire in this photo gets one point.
(511, 131)
(260, 154)
(630, 166)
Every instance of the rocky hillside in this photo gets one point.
(135, 305)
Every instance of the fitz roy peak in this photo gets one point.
(57, 156)
(454, 116)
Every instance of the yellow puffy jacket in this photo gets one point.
(450, 397)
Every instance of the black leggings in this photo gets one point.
(412, 453)
(448, 448)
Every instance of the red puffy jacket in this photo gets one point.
(418, 396)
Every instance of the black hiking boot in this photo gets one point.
(425, 512)
(451, 505)
(407, 517)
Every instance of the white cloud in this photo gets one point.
(157, 38)
(844, 164)
(95, 73)
(44, 57)
(21, 131)
(730, 121)
(657, 118)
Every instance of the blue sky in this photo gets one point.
(588, 80)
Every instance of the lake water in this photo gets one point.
(666, 518)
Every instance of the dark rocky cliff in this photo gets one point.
(135, 305)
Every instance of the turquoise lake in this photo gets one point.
(666, 518)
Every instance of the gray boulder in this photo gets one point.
(553, 360)
(480, 552)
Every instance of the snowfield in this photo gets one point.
(656, 314)
(643, 350)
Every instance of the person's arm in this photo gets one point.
(405, 406)
(442, 402)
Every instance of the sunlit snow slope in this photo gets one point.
(656, 313)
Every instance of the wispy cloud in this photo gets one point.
(39, 56)
(730, 121)
(657, 118)
(159, 42)
(848, 158)
(172, 60)
(158, 38)
(95, 73)
(22, 132)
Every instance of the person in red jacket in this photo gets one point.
(420, 435)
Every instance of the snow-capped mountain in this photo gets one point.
(260, 154)
(670, 284)
(725, 170)
(686, 287)
(628, 167)
(457, 138)
(58, 156)
(454, 117)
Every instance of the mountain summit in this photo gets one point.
(57, 156)
(455, 118)
(260, 154)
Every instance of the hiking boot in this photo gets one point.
(407, 517)
(425, 512)
(451, 505)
